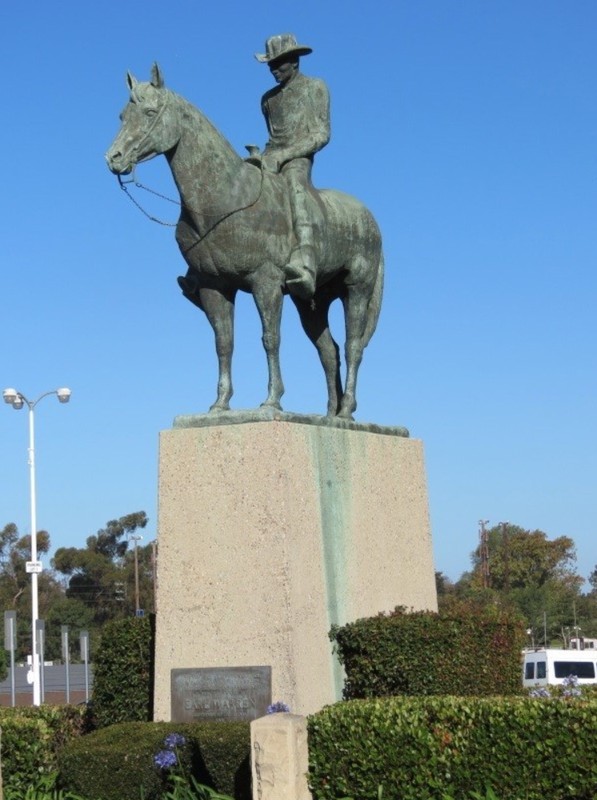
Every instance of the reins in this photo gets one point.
(132, 180)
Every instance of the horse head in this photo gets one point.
(148, 126)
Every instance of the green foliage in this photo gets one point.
(3, 664)
(44, 788)
(423, 653)
(15, 582)
(519, 558)
(123, 672)
(102, 574)
(532, 575)
(427, 748)
(113, 763)
(191, 789)
(31, 740)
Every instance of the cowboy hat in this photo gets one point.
(280, 46)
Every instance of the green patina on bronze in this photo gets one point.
(265, 414)
(330, 459)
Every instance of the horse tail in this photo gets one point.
(374, 306)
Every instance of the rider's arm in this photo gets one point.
(314, 132)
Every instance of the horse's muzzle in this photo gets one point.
(116, 164)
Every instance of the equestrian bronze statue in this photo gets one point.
(246, 225)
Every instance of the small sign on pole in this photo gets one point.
(10, 630)
(84, 641)
(66, 659)
(40, 627)
(33, 566)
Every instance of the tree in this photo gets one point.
(101, 574)
(15, 582)
(520, 559)
(532, 574)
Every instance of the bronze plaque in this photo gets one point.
(220, 694)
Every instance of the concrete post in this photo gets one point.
(279, 757)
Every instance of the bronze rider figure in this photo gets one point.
(297, 114)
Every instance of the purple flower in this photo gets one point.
(165, 759)
(540, 692)
(277, 708)
(174, 740)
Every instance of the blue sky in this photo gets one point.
(469, 128)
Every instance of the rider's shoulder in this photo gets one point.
(314, 85)
(309, 80)
(269, 94)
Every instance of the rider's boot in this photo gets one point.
(189, 284)
(302, 267)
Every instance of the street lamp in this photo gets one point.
(17, 400)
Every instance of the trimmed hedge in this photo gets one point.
(426, 748)
(31, 740)
(425, 653)
(115, 762)
(123, 672)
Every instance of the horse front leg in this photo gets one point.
(219, 309)
(268, 299)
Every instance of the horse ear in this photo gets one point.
(131, 82)
(157, 79)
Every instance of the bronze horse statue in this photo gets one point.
(235, 232)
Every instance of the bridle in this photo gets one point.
(132, 180)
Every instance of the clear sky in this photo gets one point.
(467, 126)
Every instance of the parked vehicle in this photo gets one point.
(549, 666)
(583, 643)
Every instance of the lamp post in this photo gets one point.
(17, 400)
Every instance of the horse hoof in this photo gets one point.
(273, 405)
(218, 409)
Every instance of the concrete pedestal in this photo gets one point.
(269, 533)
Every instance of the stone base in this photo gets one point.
(270, 532)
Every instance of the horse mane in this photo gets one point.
(208, 129)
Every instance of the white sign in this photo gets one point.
(33, 566)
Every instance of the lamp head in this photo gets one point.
(13, 398)
(63, 394)
(10, 395)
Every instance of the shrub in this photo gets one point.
(113, 763)
(31, 740)
(424, 653)
(425, 748)
(123, 672)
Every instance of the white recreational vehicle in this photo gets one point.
(548, 666)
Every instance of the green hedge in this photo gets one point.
(115, 762)
(427, 748)
(31, 740)
(123, 672)
(424, 653)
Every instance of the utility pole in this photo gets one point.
(154, 573)
(135, 538)
(484, 552)
(506, 548)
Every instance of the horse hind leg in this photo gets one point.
(314, 319)
(356, 303)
